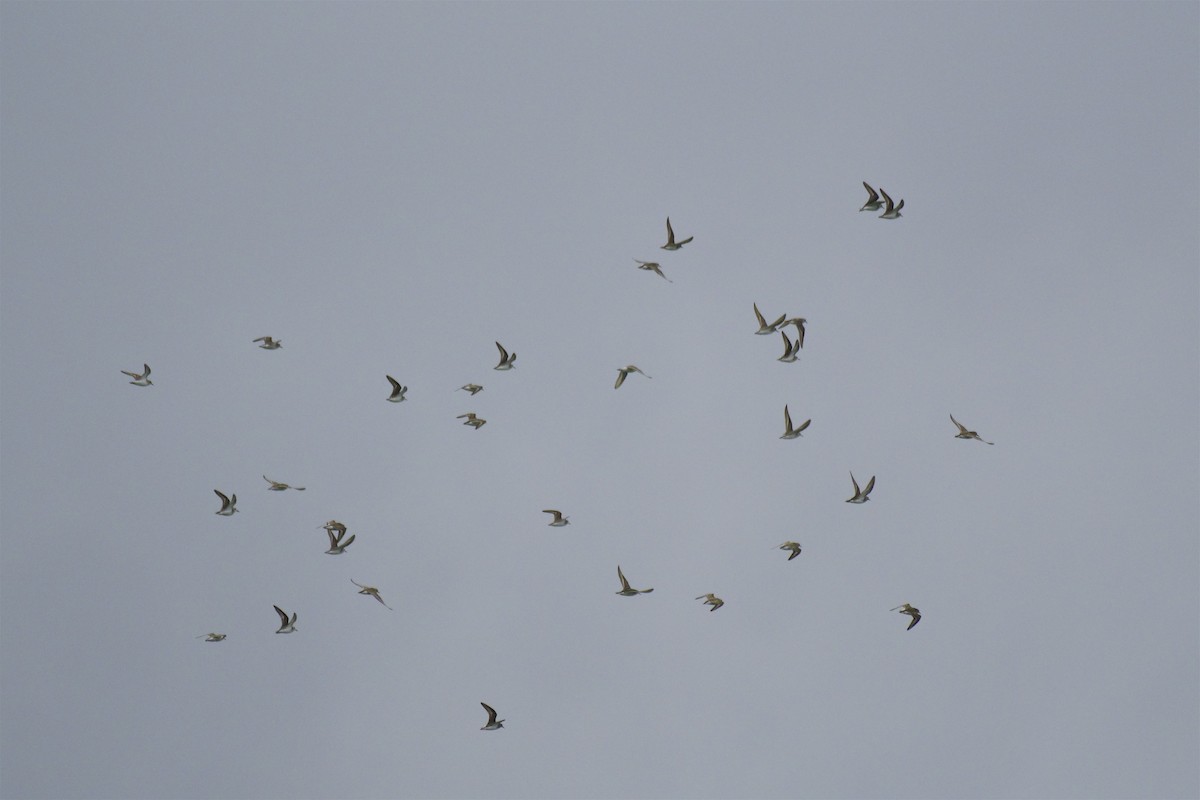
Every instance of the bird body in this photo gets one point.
(891, 210)
(873, 203)
(655, 267)
(268, 343)
(492, 723)
(338, 541)
(860, 495)
(140, 379)
(397, 395)
(793, 546)
(472, 420)
(763, 328)
(788, 431)
(285, 625)
(963, 433)
(671, 243)
(559, 520)
(506, 361)
(624, 372)
(370, 591)
(626, 589)
(228, 504)
(711, 600)
(473, 388)
(276, 486)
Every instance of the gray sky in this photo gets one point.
(389, 188)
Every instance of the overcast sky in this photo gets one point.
(389, 189)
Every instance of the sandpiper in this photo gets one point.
(492, 723)
(559, 520)
(212, 637)
(711, 599)
(626, 589)
(763, 328)
(142, 379)
(276, 486)
(623, 372)
(334, 525)
(285, 625)
(788, 431)
(860, 495)
(963, 433)
(472, 420)
(268, 343)
(655, 267)
(873, 203)
(793, 546)
(338, 542)
(506, 361)
(473, 388)
(671, 243)
(398, 391)
(790, 351)
(372, 591)
(912, 612)
(891, 211)
(228, 504)
(799, 322)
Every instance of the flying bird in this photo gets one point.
(891, 211)
(492, 723)
(371, 591)
(473, 388)
(763, 328)
(472, 420)
(793, 546)
(873, 203)
(559, 520)
(285, 625)
(963, 433)
(332, 526)
(268, 343)
(212, 637)
(912, 612)
(711, 600)
(338, 541)
(671, 243)
(790, 351)
(140, 380)
(228, 504)
(860, 495)
(799, 322)
(623, 372)
(655, 267)
(276, 486)
(789, 432)
(506, 361)
(397, 395)
(626, 589)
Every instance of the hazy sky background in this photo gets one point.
(389, 188)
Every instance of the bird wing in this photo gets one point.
(961, 428)
(224, 499)
(873, 196)
(787, 344)
(762, 322)
(870, 486)
(670, 232)
(490, 711)
(282, 615)
(620, 378)
(503, 352)
(621, 575)
(787, 420)
(916, 617)
(803, 425)
(857, 491)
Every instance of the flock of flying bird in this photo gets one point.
(339, 541)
